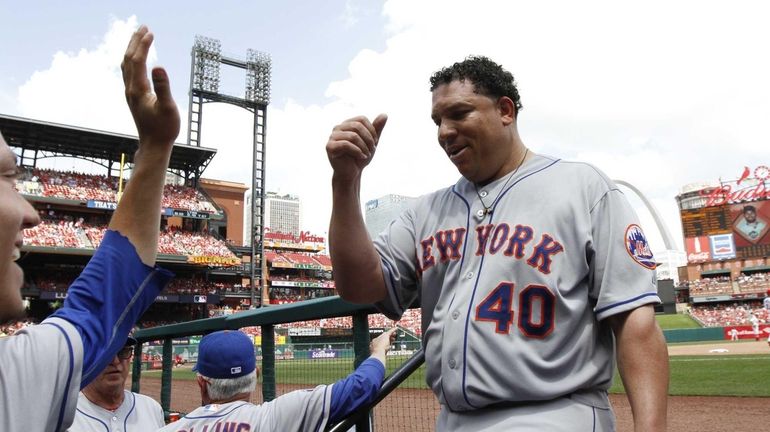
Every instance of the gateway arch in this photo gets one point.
(662, 228)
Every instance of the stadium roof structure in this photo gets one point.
(55, 139)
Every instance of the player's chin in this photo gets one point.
(11, 306)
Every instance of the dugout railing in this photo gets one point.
(266, 318)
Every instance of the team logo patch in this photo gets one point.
(638, 248)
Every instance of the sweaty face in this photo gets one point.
(15, 215)
(473, 131)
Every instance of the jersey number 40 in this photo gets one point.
(497, 307)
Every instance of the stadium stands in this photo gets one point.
(62, 232)
(721, 315)
(711, 286)
(755, 283)
(84, 187)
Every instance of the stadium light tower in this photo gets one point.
(207, 60)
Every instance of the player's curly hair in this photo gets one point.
(489, 78)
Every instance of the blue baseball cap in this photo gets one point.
(225, 354)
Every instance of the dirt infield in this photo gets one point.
(412, 410)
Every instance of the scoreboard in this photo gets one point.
(705, 221)
(727, 231)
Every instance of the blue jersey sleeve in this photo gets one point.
(359, 388)
(105, 301)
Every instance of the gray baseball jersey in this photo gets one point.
(137, 413)
(301, 410)
(766, 303)
(43, 364)
(513, 301)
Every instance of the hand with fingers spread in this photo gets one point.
(352, 144)
(156, 114)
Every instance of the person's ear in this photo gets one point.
(507, 110)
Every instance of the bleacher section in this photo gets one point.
(757, 283)
(314, 260)
(69, 233)
(722, 315)
(84, 187)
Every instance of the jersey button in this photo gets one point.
(483, 194)
(452, 363)
(469, 275)
(114, 419)
(480, 213)
(455, 314)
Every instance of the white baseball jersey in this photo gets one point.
(301, 410)
(137, 413)
(43, 367)
(766, 303)
(40, 376)
(513, 302)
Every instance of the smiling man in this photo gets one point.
(105, 404)
(533, 274)
(16, 214)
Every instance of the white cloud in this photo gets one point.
(84, 88)
(658, 93)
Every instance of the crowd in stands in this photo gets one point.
(83, 187)
(51, 233)
(183, 197)
(723, 285)
(299, 258)
(711, 286)
(178, 242)
(754, 283)
(8, 329)
(65, 231)
(411, 320)
(735, 314)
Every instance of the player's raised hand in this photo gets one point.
(155, 114)
(381, 344)
(352, 144)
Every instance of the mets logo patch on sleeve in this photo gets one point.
(638, 248)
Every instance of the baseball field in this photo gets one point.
(716, 386)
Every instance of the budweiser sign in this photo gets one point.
(726, 194)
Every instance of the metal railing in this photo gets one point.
(267, 318)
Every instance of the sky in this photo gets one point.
(660, 94)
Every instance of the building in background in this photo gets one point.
(229, 196)
(726, 230)
(283, 213)
(381, 211)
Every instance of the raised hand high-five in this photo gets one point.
(157, 122)
(156, 114)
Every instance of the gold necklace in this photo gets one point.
(488, 210)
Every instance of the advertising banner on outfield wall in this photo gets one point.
(746, 332)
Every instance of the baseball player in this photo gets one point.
(766, 301)
(532, 271)
(105, 404)
(226, 377)
(43, 367)
(754, 325)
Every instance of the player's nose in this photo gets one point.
(446, 133)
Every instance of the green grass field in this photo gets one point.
(676, 321)
(739, 375)
(746, 375)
